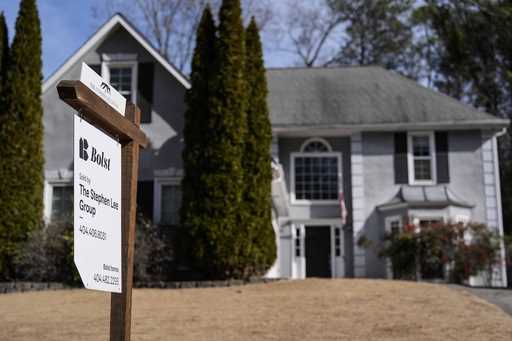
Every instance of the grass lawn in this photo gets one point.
(295, 310)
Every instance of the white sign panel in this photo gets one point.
(97, 207)
(102, 88)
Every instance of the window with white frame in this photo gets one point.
(394, 225)
(62, 203)
(316, 172)
(122, 75)
(393, 228)
(337, 242)
(429, 222)
(297, 242)
(170, 204)
(421, 158)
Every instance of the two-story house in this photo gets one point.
(383, 146)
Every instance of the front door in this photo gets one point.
(318, 251)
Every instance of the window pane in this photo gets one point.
(421, 145)
(429, 222)
(422, 170)
(422, 158)
(171, 202)
(315, 146)
(318, 179)
(121, 80)
(62, 204)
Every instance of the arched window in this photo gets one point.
(316, 172)
(316, 145)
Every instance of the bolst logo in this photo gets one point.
(99, 159)
(105, 87)
(83, 149)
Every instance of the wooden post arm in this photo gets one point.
(83, 99)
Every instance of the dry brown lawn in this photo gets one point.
(295, 310)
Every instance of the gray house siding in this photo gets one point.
(164, 131)
(379, 187)
(466, 180)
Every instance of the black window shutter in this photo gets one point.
(145, 91)
(96, 68)
(400, 159)
(442, 165)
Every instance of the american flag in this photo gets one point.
(343, 208)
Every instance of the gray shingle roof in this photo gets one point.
(368, 95)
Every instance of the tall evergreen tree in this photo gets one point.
(223, 173)
(261, 248)
(21, 133)
(4, 53)
(193, 214)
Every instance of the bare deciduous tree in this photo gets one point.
(309, 29)
(171, 24)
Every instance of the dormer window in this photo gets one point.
(121, 72)
(316, 173)
(121, 80)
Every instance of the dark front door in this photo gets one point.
(318, 251)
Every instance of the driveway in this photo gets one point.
(500, 297)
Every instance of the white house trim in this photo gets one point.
(310, 221)
(62, 177)
(410, 158)
(316, 139)
(388, 221)
(493, 208)
(504, 279)
(48, 196)
(298, 245)
(337, 130)
(106, 65)
(157, 194)
(101, 35)
(299, 234)
(358, 202)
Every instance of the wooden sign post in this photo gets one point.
(125, 128)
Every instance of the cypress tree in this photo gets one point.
(216, 237)
(256, 160)
(193, 215)
(4, 53)
(226, 147)
(21, 133)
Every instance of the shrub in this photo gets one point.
(154, 254)
(462, 250)
(401, 249)
(47, 256)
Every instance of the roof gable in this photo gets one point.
(99, 36)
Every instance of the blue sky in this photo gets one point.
(67, 24)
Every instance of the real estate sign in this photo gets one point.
(97, 207)
(102, 88)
